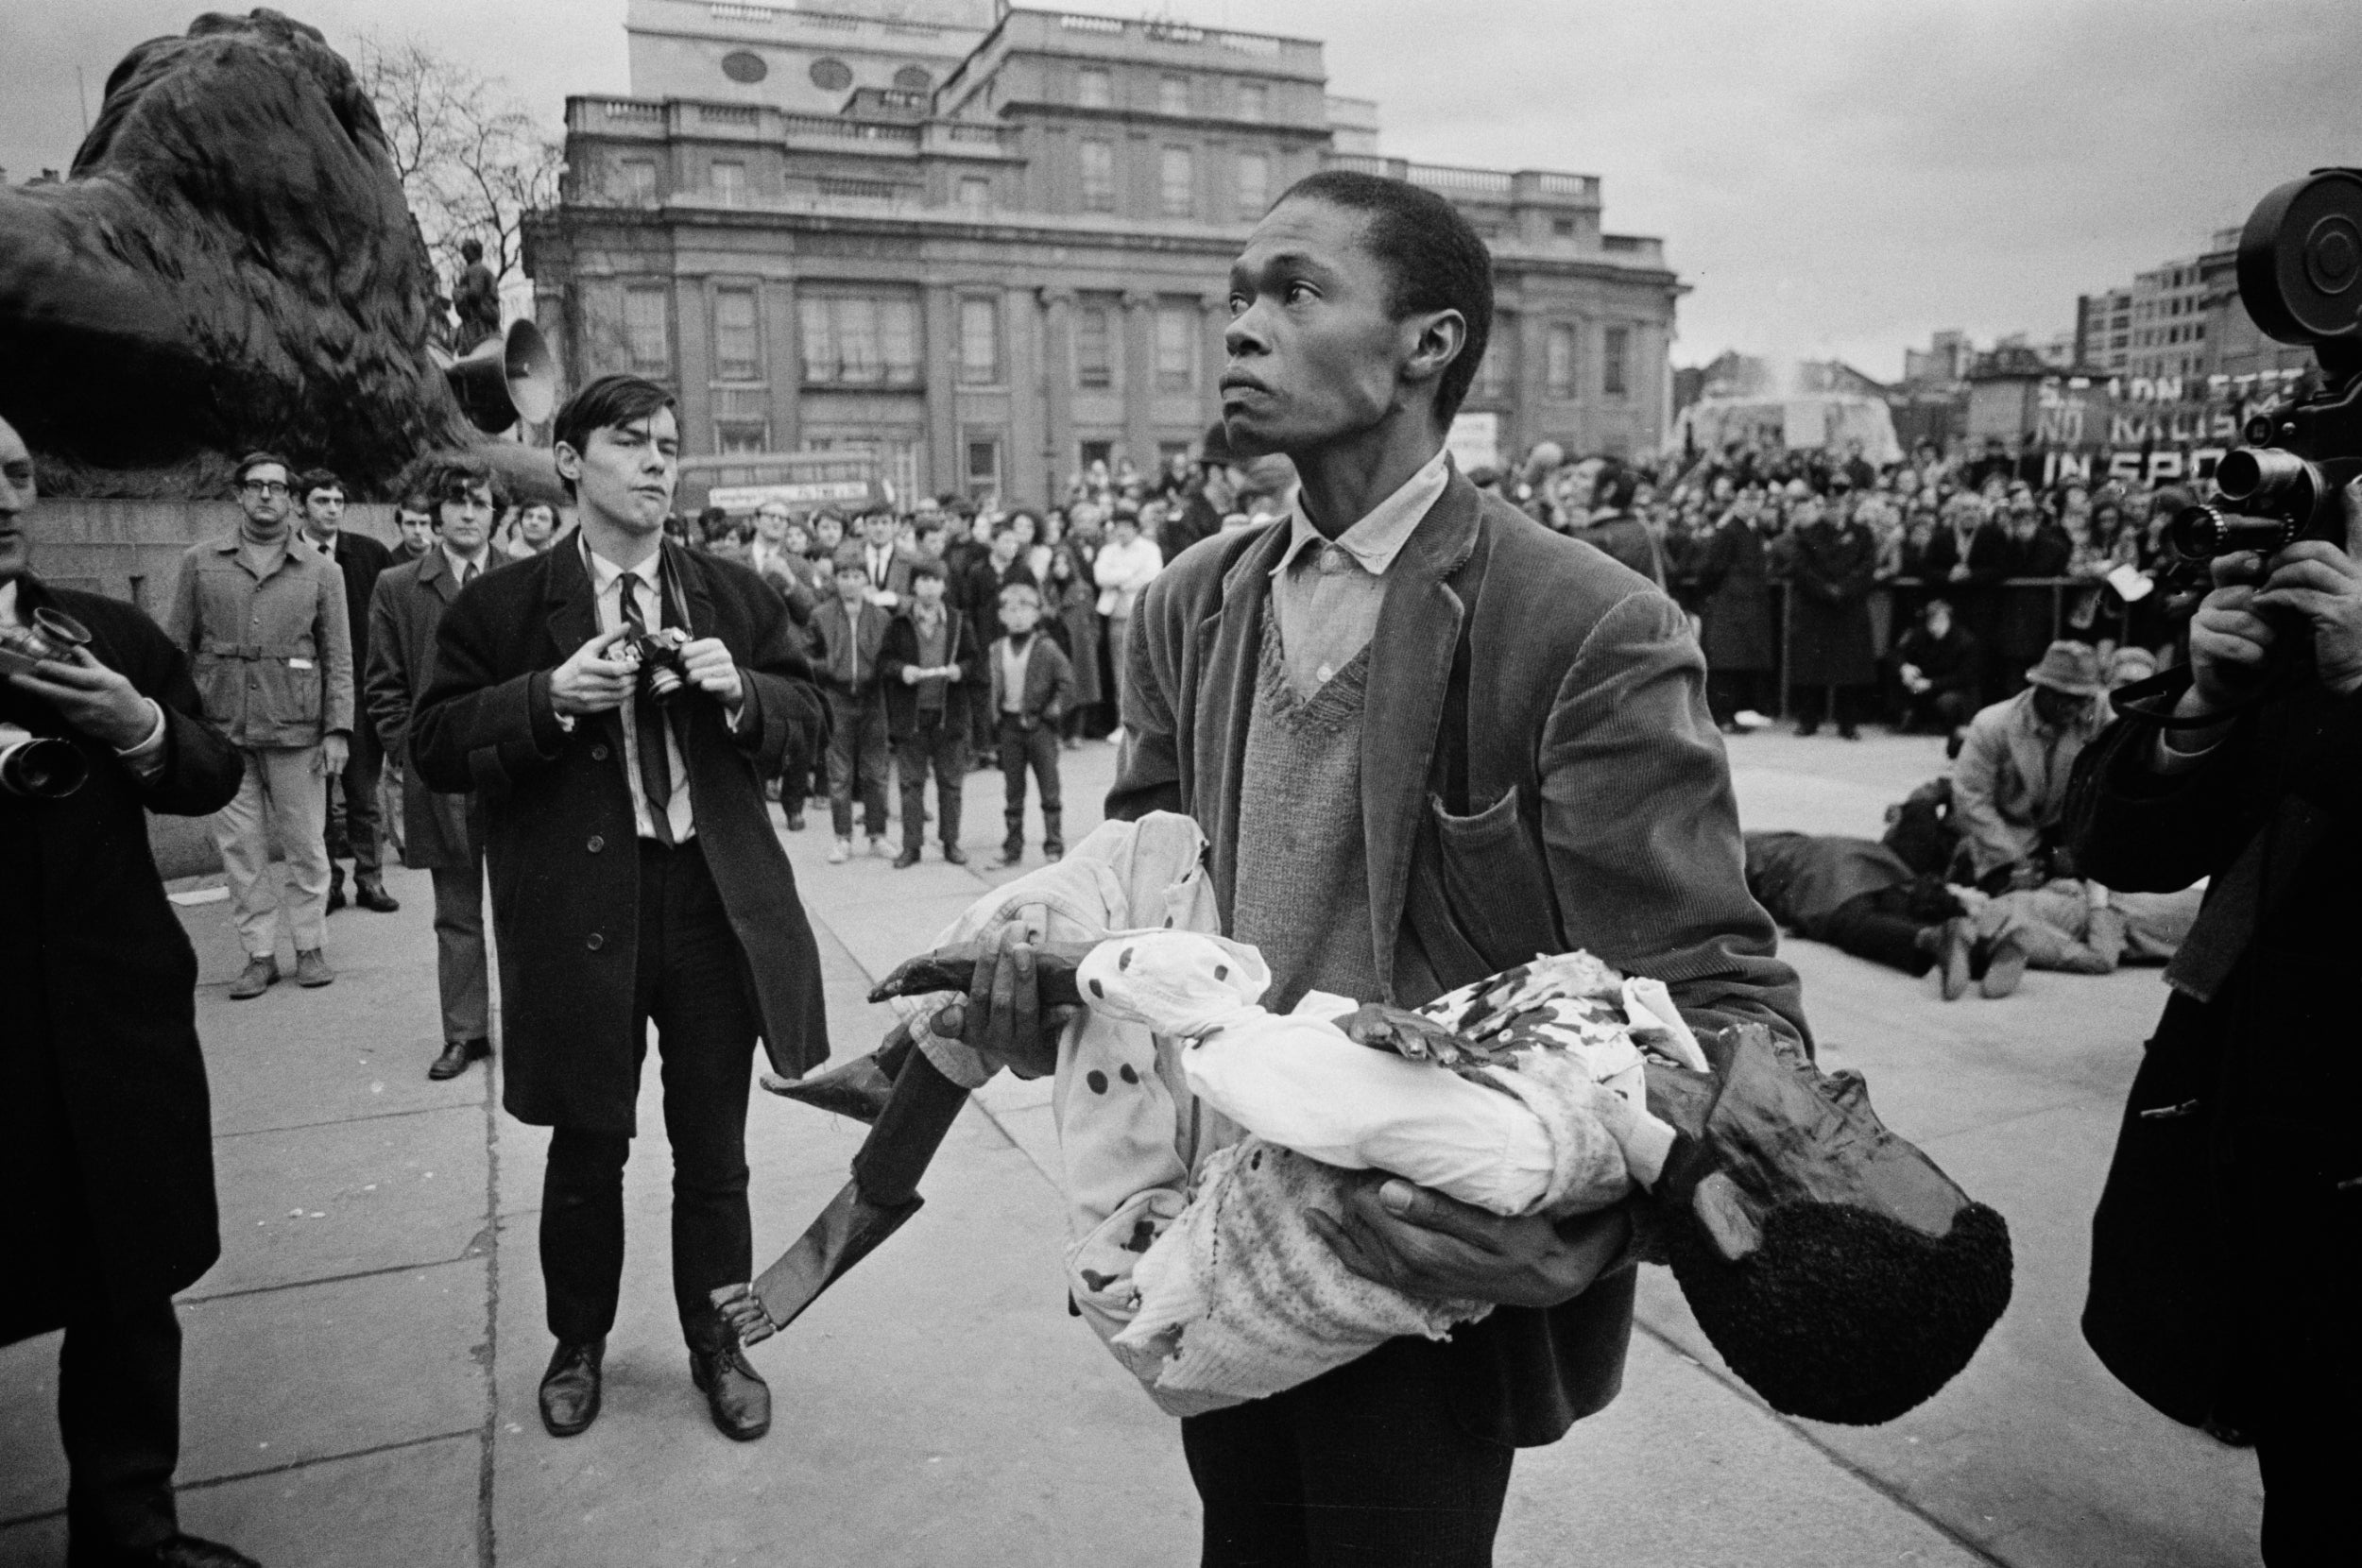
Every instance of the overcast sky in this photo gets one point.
(1831, 177)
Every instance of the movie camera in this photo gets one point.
(40, 767)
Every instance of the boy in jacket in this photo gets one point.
(1032, 684)
(847, 636)
(929, 663)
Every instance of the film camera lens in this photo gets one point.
(40, 767)
(664, 674)
(53, 635)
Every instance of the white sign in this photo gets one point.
(811, 492)
(1475, 441)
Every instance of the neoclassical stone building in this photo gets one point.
(972, 252)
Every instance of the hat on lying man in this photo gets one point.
(2069, 667)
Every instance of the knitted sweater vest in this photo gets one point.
(1303, 891)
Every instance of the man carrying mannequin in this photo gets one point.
(635, 876)
(442, 833)
(1305, 690)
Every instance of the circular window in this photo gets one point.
(831, 76)
(913, 78)
(745, 65)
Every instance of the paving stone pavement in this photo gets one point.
(362, 1362)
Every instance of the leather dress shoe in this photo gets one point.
(182, 1551)
(456, 1057)
(907, 858)
(369, 893)
(312, 970)
(335, 889)
(570, 1390)
(735, 1392)
(955, 855)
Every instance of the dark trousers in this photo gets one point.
(938, 744)
(1362, 1465)
(858, 762)
(1730, 690)
(984, 723)
(1878, 927)
(1815, 703)
(353, 824)
(119, 1418)
(1035, 748)
(691, 981)
(1937, 712)
(462, 975)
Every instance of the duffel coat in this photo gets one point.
(2224, 1281)
(561, 839)
(106, 1135)
(1735, 598)
(1829, 640)
(1600, 817)
(404, 614)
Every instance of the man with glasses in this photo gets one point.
(262, 617)
(352, 817)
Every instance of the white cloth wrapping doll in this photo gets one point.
(1544, 1114)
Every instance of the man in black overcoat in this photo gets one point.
(634, 876)
(106, 1139)
(2226, 1283)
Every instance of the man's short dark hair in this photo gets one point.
(472, 249)
(1438, 260)
(930, 523)
(317, 479)
(450, 475)
(253, 460)
(607, 403)
(417, 502)
(928, 569)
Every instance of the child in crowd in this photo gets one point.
(929, 663)
(1032, 685)
(847, 635)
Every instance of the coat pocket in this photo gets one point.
(1495, 882)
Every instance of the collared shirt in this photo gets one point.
(269, 640)
(147, 757)
(605, 583)
(463, 571)
(1327, 592)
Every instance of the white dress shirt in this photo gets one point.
(606, 580)
(1327, 592)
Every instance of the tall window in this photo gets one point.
(980, 341)
(729, 183)
(983, 465)
(647, 335)
(1254, 101)
(635, 178)
(1496, 370)
(1172, 96)
(1099, 175)
(1094, 345)
(1615, 351)
(859, 339)
(1178, 182)
(1176, 347)
(1558, 359)
(1093, 89)
(737, 340)
(1254, 183)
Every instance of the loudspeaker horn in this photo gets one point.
(505, 378)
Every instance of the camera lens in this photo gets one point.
(42, 769)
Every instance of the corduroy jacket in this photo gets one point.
(1598, 814)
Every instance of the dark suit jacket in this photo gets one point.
(899, 648)
(1048, 681)
(362, 560)
(405, 615)
(105, 1135)
(560, 834)
(1600, 816)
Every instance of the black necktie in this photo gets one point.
(656, 769)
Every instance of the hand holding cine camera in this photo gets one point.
(2231, 637)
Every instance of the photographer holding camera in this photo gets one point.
(616, 702)
(2224, 1272)
(106, 1142)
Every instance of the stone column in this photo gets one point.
(1139, 378)
(946, 465)
(1213, 313)
(1057, 373)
